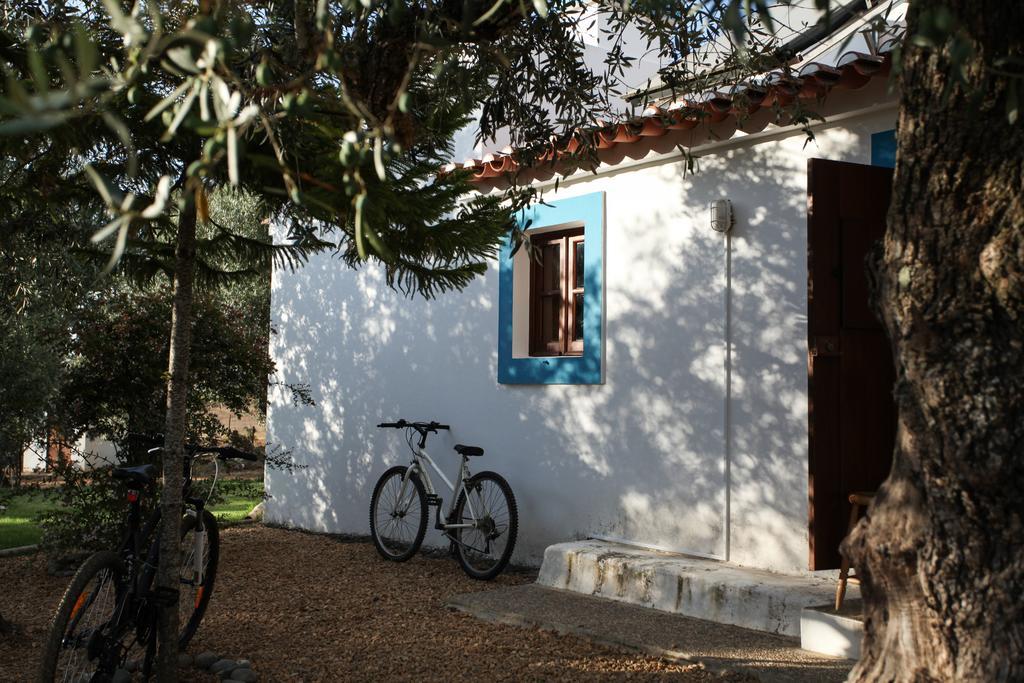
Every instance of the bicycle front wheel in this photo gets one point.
(398, 514)
(83, 641)
(196, 578)
(485, 546)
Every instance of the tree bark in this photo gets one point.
(169, 569)
(941, 551)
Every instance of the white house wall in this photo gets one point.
(96, 452)
(681, 448)
(33, 458)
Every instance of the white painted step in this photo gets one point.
(695, 587)
(827, 632)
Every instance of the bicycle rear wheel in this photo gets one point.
(195, 590)
(485, 548)
(398, 515)
(81, 641)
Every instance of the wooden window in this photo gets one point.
(556, 294)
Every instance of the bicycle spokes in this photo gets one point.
(488, 513)
(397, 516)
(85, 641)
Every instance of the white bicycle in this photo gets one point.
(481, 521)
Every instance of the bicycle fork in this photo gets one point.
(198, 548)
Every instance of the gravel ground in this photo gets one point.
(307, 607)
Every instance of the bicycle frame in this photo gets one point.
(135, 534)
(105, 641)
(134, 594)
(140, 568)
(419, 455)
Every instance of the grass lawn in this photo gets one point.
(18, 526)
(17, 523)
(239, 498)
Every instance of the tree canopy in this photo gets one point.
(338, 113)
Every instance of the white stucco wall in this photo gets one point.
(33, 458)
(671, 451)
(89, 452)
(96, 452)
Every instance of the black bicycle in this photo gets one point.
(105, 627)
(481, 521)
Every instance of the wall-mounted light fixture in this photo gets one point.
(722, 219)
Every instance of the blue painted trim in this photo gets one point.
(883, 149)
(585, 369)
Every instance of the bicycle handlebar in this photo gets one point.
(419, 426)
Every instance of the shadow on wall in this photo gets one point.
(645, 456)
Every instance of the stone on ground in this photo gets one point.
(206, 659)
(244, 674)
(256, 513)
(222, 665)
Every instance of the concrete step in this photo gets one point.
(838, 634)
(717, 647)
(681, 584)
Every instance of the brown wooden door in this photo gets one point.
(850, 374)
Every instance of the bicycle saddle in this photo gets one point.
(142, 475)
(468, 450)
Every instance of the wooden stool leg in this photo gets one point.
(844, 568)
(844, 571)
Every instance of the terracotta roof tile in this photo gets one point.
(852, 70)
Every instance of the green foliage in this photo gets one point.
(338, 114)
(88, 510)
(89, 516)
(30, 371)
(168, 105)
(40, 289)
(89, 355)
(115, 381)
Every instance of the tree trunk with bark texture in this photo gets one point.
(941, 552)
(174, 437)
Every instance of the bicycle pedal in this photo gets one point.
(433, 499)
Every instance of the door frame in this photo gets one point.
(829, 206)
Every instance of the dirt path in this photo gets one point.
(307, 607)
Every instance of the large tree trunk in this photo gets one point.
(174, 437)
(941, 552)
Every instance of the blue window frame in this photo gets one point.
(883, 149)
(587, 210)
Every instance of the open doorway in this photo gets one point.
(852, 426)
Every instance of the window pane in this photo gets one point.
(550, 318)
(579, 265)
(552, 267)
(577, 317)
